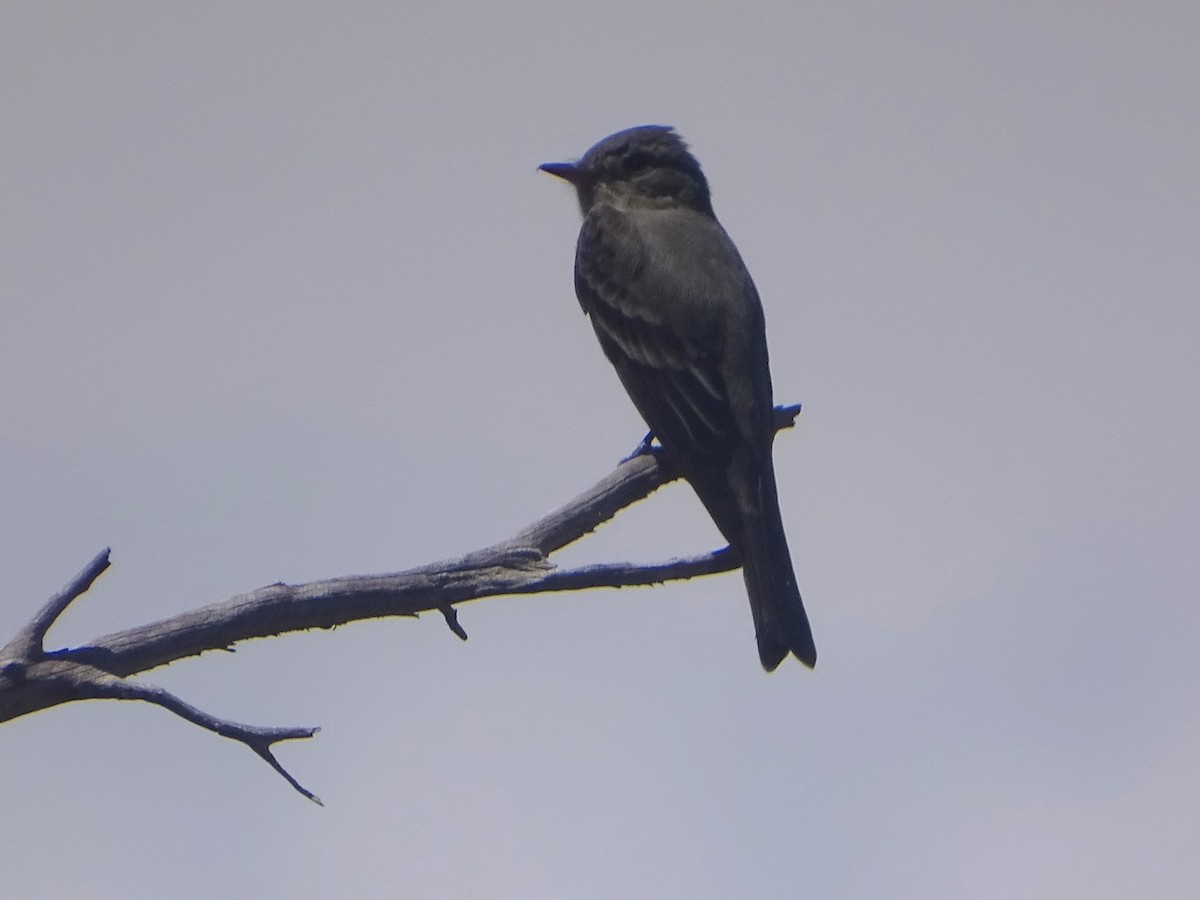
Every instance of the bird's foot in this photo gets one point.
(646, 446)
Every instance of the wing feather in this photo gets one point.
(659, 322)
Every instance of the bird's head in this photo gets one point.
(647, 167)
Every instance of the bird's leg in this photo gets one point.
(642, 448)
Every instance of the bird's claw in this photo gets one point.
(645, 446)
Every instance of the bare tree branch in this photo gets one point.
(32, 678)
(29, 639)
(257, 738)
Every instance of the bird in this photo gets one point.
(680, 319)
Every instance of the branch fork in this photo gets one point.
(32, 678)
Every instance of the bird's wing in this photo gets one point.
(661, 309)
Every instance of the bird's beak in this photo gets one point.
(564, 170)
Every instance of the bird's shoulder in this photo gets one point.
(660, 265)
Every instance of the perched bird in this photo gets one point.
(679, 318)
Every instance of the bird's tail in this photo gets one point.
(780, 623)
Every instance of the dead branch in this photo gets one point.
(33, 678)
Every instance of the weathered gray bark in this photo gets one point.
(33, 678)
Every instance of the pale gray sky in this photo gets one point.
(282, 296)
